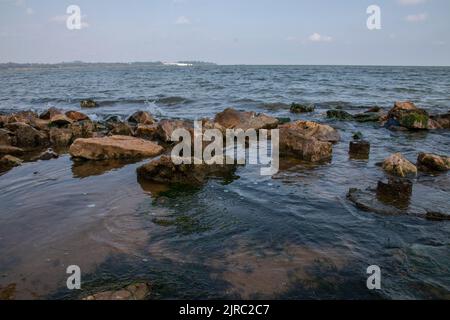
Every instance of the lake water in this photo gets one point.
(290, 236)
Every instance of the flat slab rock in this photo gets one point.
(114, 147)
(137, 291)
(425, 202)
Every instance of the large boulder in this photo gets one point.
(141, 117)
(307, 140)
(233, 119)
(163, 170)
(114, 147)
(398, 165)
(433, 162)
(27, 136)
(407, 115)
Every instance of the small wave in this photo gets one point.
(173, 100)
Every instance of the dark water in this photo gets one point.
(293, 235)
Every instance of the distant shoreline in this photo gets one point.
(184, 64)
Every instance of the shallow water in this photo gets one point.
(293, 235)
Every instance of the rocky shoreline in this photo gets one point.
(28, 137)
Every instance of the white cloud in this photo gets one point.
(316, 37)
(417, 17)
(182, 20)
(411, 2)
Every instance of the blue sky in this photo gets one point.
(414, 32)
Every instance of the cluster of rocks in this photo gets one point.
(403, 116)
(395, 195)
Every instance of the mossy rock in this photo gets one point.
(302, 108)
(339, 114)
(414, 119)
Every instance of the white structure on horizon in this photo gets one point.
(178, 64)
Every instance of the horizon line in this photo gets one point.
(205, 63)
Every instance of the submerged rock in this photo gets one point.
(138, 291)
(398, 165)
(141, 117)
(407, 115)
(163, 170)
(114, 147)
(433, 162)
(307, 141)
(233, 119)
(400, 197)
(396, 192)
(359, 149)
(301, 108)
(89, 103)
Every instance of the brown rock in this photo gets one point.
(163, 170)
(47, 155)
(76, 116)
(120, 128)
(398, 165)
(407, 115)
(27, 136)
(442, 120)
(114, 147)
(307, 141)
(8, 161)
(309, 129)
(141, 117)
(146, 131)
(395, 192)
(233, 119)
(5, 138)
(88, 104)
(138, 291)
(61, 137)
(6, 149)
(60, 120)
(167, 127)
(82, 129)
(23, 116)
(50, 113)
(433, 162)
